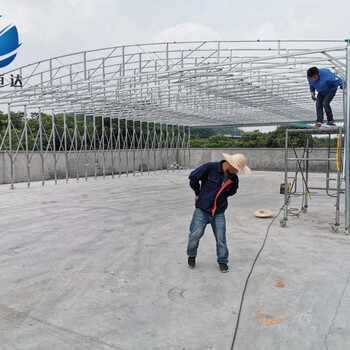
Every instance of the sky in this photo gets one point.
(49, 28)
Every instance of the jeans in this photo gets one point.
(323, 101)
(218, 223)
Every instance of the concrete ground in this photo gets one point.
(102, 265)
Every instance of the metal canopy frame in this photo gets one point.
(202, 83)
(187, 83)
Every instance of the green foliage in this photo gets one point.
(200, 138)
(203, 133)
(197, 142)
(256, 139)
(54, 138)
(208, 132)
(318, 142)
(218, 141)
(253, 139)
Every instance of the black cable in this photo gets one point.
(290, 211)
(246, 282)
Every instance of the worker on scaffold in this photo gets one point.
(326, 83)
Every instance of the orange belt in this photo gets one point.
(221, 189)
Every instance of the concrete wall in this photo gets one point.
(271, 159)
(258, 159)
(35, 169)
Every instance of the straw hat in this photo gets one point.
(238, 161)
(263, 213)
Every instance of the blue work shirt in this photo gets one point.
(326, 82)
(211, 177)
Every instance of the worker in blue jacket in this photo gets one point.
(212, 184)
(326, 83)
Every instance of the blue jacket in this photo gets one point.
(212, 193)
(326, 82)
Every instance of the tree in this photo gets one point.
(254, 139)
(197, 142)
(219, 141)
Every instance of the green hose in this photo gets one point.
(301, 126)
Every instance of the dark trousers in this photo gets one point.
(198, 224)
(323, 101)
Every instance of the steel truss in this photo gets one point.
(179, 84)
(186, 83)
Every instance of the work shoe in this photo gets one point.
(318, 125)
(223, 267)
(331, 123)
(191, 262)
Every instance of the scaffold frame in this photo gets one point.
(302, 161)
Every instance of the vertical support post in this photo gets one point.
(347, 142)
(339, 172)
(189, 147)
(141, 146)
(85, 70)
(123, 61)
(54, 145)
(10, 146)
(167, 55)
(184, 146)
(140, 65)
(111, 144)
(147, 146)
(218, 52)
(172, 143)
(76, 144)
(306, 199)
(133, 148)
(154, 147)
(286, 179)
(71, 76)
(85, 148)
(126, 147)
(160, 143)
(41, 149)
(119, 151)
(104, 75)
(103, 146)
(178, 146)
(65, 143)
(27, 145)
(51, 75)
(94, 143)
(167, 146)
(328, 169)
